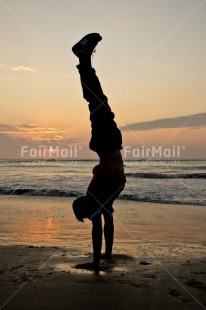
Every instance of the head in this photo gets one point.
(80, 208)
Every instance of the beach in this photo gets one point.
(158, 259)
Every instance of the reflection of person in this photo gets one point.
(106, 140)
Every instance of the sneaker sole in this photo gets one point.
(94, 36)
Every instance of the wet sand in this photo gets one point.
(159, 259)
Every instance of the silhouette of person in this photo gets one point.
(106, 140)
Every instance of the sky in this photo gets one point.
(151, 64)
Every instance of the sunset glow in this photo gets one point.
(151, 63)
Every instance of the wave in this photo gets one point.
(75, 193)
(200, 167)
(162, 200)
(167, 176)
(38, 192)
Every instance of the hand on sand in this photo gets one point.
(105, 256)
(89, 266)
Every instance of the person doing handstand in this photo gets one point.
(106, 140)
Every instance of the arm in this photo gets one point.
(97, 238)
(97, 244)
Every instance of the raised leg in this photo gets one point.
(105, 137)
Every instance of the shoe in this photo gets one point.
(87, 44)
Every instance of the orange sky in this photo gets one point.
(151, 63)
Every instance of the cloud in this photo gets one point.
(16, 128)
(11, 146)
(22, 69)
(190, 121)
(27, 126)
(33, 128)
(4, 128)
(54, 138)
(45, 131)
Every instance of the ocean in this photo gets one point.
(174, 182)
